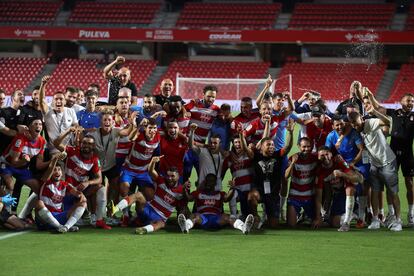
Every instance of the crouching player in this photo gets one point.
(341, 180)
(50, 209)
(154, 214)
(209, 204)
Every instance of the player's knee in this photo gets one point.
(139, 198)
(39, 205)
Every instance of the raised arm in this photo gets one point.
(191, 143)
(42, 95)
(151, 167)
(49, 171)
(132, 121)
(230, 193)
(384, 119)
(58, 143)
(108, 69)
(289, 137)
(245, 147)
(261, 95)
(292, 163)
(290, 107)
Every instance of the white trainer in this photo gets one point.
(182, 222)
(396, 225)
(248, 224)
(375, 224)
(62, 229)
(410, 219)
(389, 220)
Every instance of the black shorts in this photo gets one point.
(4, 216)
(111, 173)
(405, 159)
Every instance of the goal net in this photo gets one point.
(230, 90)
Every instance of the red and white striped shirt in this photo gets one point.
(52, 194)
(243, 121)
(165, 199)
(23, 145)
(242, 171)
(303, 177)
(202, 116)
(209, 203)
(183, 123)
(254, 132)
(78, 169)
(141, 153)
(124, 144)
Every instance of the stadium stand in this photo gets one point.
(409, 25)
(17, 73)
(114, 13)
(81, 73)
(344, 16)
(232, 16)
(25, 12)
(331, 80)
(210, 69)
(404, 82)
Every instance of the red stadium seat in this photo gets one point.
(43, 12)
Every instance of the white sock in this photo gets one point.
(391, 211)
(47, 217)
(233, 204)
(411, 209)
(76, 215)
(361, 207)
(381, 211)
(100, 203)
(28, 206)
(370, 210)
(282, 202)
(349, 207)
(238, 224)
(122, 206)
(149, 228)
(189, 223)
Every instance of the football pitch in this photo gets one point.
(224, 252)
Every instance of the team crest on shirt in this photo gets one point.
(18, 143)
(204, 117)
(209, 202)
(168, 198)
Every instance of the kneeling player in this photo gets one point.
(50, 209)
(209, 204)
(341, 180)
(154, 214)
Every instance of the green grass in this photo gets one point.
(227, 252)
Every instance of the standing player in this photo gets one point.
(51, 212)
(301, 169)
(154, 213)
(245, 117)
(209, 206)
(203, 112)
(167, 87)
(318, 128)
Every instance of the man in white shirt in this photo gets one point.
(383, 163)
(57, 117)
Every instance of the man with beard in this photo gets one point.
(209, 209)
(256, 130)
(71, 97)
(318, 128)
(2, 98)
(245, 117)
(402, 134)
(173, 147)
(383, 171)
(167, 87)
(203, 112)
(153, 213)
(58, 118)
(348, 143)
(83, 172)
(301, 169)
(122, 79)
(176, 112)
(16, 158)
(151, 109)
(340, 180)
(31, 109)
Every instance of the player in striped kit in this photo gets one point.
(51, 210)
(240, 162)
(245, 117)
(209, 204)
(83, 171)
(301, 169)
(203, 112)
(121, 121)
(176, 112)
(254, 132)
(153, 214)
(136, 164)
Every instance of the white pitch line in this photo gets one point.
(13, 235)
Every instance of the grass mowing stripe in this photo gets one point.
(11, 235)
